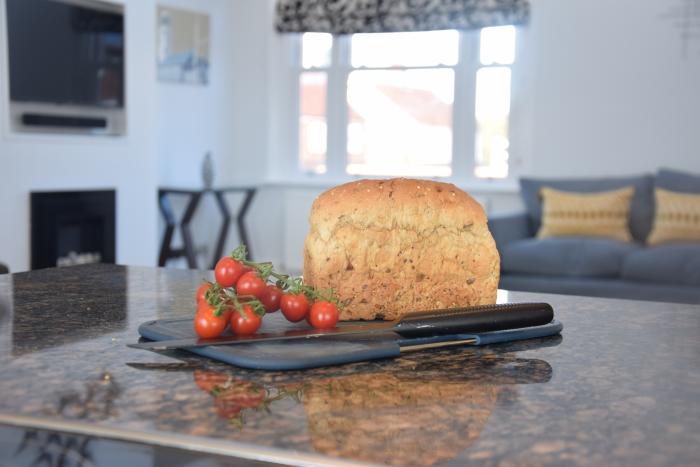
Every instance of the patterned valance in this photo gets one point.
(353, 16)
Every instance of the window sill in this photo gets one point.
(483, 186)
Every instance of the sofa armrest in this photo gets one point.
(509, 228)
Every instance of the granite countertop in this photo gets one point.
(621, 386)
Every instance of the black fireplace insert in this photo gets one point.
(72, 227)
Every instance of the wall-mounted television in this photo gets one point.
(66, 66)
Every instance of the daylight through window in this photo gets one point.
(395, 100)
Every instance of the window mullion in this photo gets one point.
(464, 121)
(337, 112)
(518, 139)
(294, 111)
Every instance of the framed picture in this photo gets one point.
(183, 46)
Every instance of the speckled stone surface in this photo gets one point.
(621, 386)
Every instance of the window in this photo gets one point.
(385, 103)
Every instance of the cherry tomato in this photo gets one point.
(251, 283)
(227, 271)
(271, 298)
(245, 323)
(294, 307)
(323, 315)
(207, 324)
(226, 311)
(201, 292)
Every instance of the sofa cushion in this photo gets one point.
(566, 256)
(677, 263)
(677, 218)
(675, 180)
(642, 209)
(604, 214)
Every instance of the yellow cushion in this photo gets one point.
(602, 214)
(677, 217)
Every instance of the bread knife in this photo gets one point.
(477, 319)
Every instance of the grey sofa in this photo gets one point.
(595, 266)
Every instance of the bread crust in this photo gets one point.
(389, 247)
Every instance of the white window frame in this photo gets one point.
(463, 121)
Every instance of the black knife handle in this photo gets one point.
(473, 320)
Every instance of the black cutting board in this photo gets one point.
(312, 353)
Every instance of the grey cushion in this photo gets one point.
(509, 228)
(675, 180)
(676, 263)
(612, 288)
(642, 209)
(566, 256)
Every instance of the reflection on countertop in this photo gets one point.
(621, 386)
(392, 417)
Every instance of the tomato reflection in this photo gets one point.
(232, 396)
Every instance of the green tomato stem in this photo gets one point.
(292, 285)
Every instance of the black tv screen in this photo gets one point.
(66, 52)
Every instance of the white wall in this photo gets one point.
(127, 164)
(229, 117)
(613, 93)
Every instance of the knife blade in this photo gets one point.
(483, 318)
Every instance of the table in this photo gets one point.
(621, 386)
(167, 251)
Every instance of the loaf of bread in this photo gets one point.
(390, 247)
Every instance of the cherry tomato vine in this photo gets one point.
(288, 284)
(244, 291)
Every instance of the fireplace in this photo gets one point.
(72, 227)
